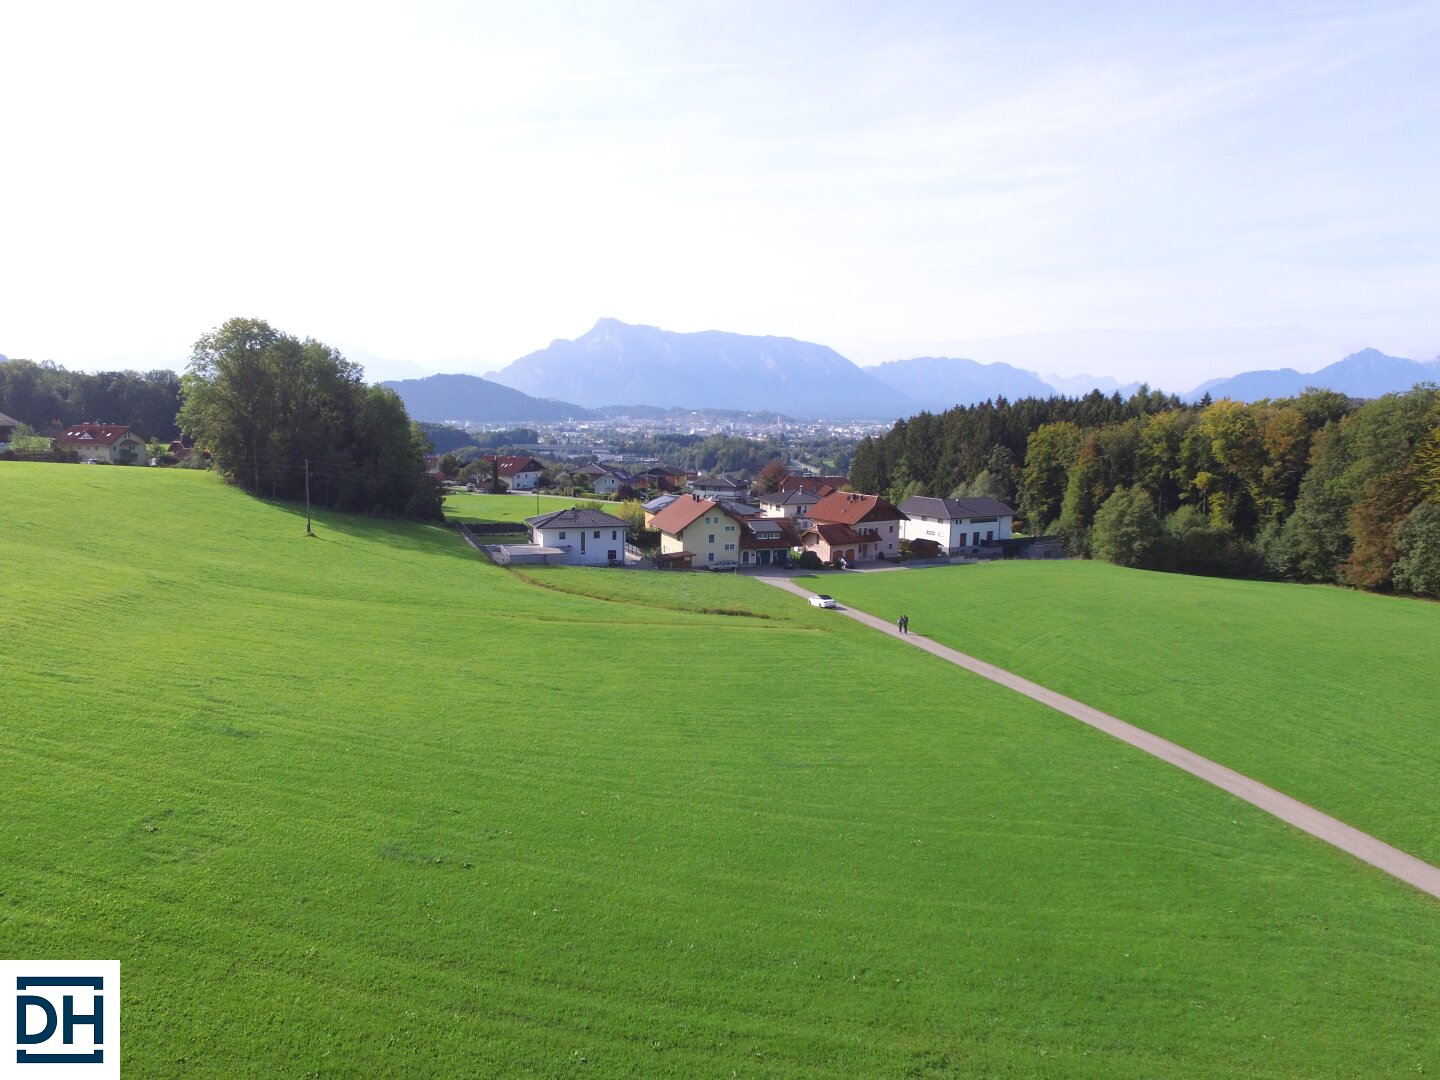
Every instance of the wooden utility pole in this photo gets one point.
(307, 498)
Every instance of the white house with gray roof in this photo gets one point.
(957, 525)
(794, 505)
(587, 537)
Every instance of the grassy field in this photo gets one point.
(364, 805)
(504, 507)
(1328, 695)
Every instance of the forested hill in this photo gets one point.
(1317, 487)
(46, 396)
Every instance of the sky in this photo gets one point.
(1169, 192)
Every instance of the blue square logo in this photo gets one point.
(60, 1019)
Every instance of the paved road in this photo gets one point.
(1363, 846)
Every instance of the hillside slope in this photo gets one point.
(469, 399)
(374, 775)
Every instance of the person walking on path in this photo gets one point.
(903, 624)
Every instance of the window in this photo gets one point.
(729, 547)
(613, 534)
(597, 534)
(989, 535)
(712, 538)
(711, 557)
(729, 528)
(562, 535)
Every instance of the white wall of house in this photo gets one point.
(889, 536)
(523, 481)
(585, 547)
(955, 533)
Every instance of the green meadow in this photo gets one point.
(467, 507)
(1329, 695)
(364, 805)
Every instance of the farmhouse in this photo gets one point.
(8, 424)
(517, 473)
(957, 524)
(876, 522)
(114, 444)
(587, 537)
(701, 529)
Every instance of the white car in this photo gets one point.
(822, 601)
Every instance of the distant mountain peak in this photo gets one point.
(1368, 373)
(621, 363)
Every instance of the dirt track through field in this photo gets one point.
(1363, 846)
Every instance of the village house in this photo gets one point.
(794, 505)
(957, 525)
(114, 444)
(874, 519)
(517, 473)
(8, 424)
(698, 532)
(836, 543)
(612, 480)
(586, 537)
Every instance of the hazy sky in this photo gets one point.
(1169, 191)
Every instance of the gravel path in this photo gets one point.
(1363, 846)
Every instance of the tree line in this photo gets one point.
(47, 397)
(1317, 488)
(276, 412)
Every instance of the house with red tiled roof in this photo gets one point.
(114, 444)
(835, 542)
(876, 520)
(517, 473)
(701, 529)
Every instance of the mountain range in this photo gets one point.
(1368, 373)
(617, 364)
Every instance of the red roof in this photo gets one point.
(852, 509)
(834, 534)
(509, 465)
(676, 517)
(95, 434)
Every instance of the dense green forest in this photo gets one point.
(1313, 488)
(47, 397)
